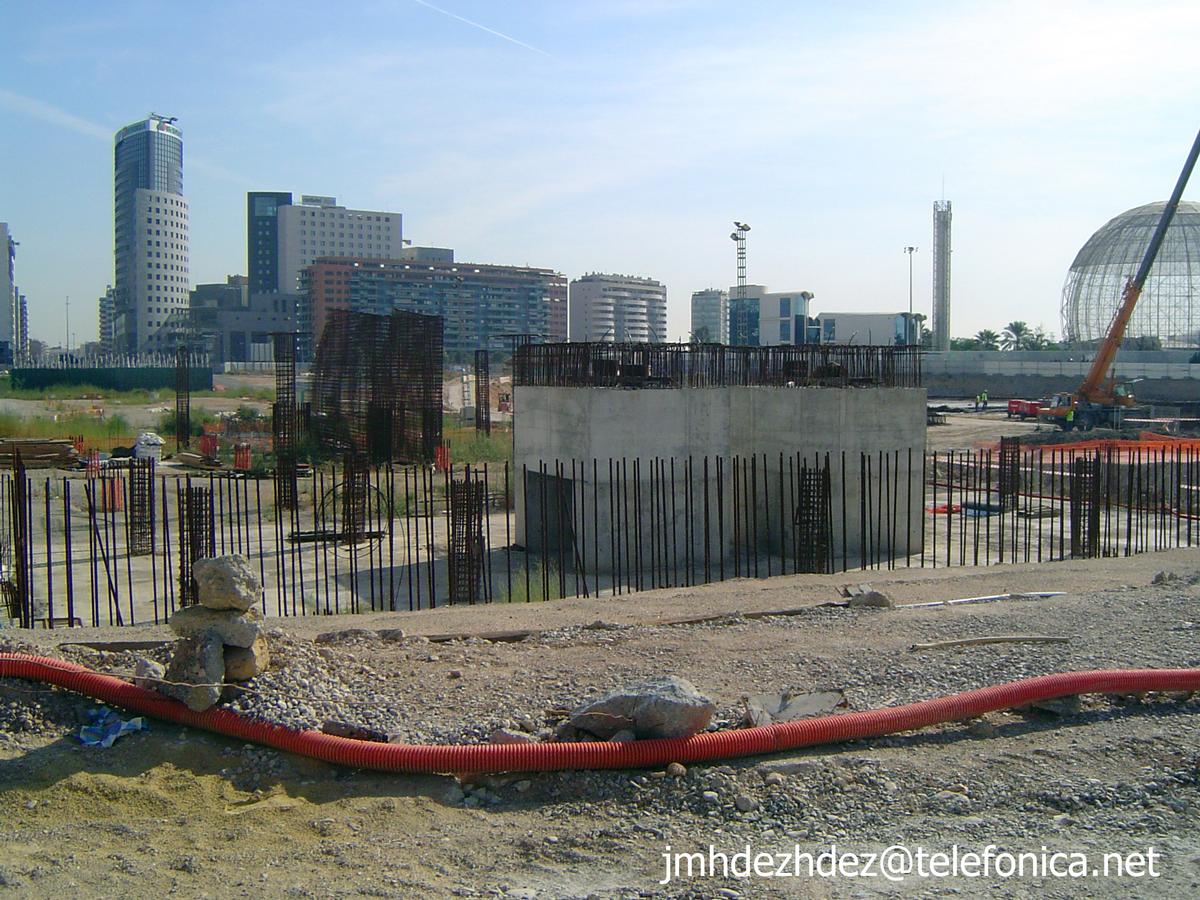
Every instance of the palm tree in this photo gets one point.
(1015, 337)
(920, 336)
(1039, 339)
(987, 340)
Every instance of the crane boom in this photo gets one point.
(1090, 390)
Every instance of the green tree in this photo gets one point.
(702, 335)
(987, 340)
(1040, 339)
(1016, 336)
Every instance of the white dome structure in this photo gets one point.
(1169, 308)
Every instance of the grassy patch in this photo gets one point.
(468, 446)
(94, 430)
(535, 590)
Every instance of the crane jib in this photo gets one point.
(1168, 214)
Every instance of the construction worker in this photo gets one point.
(1070, 418)
(983, 397)
(977, 396)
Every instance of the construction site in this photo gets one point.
(613, 601)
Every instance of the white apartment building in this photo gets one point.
(772, 317)
(160, 279)
(710, 315)
(317, 227)
(871, 329)
(617, 309)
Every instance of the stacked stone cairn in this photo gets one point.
(221, 638)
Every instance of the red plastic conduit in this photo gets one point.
(548, 756)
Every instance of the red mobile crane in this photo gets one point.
(1100, 400)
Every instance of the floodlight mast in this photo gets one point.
(741, 318)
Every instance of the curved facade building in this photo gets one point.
(150, 236)
(1169, 308)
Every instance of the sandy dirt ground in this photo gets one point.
(174, 811)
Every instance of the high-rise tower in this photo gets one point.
(262, 239)
(150, 236)
(941, 275)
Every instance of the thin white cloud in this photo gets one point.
(492, 31)
(39, 109)
(46, 112)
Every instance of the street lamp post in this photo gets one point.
(911, 334)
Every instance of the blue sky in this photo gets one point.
(616, 136)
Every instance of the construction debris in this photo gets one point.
(997, 639)
(38, 453)
(661, 708)
(221, 639)
(765, 709)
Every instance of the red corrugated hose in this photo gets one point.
(636, 754)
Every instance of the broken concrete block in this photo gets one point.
(197, 671)
(659, 708)
(244, 663)
(237, 629)
(508, 736)
(763, 709)
(871, 600)
(226, 582)
(147, 673)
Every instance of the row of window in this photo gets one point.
(342, 215)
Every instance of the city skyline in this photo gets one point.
(511, 136)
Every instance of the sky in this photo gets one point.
(616, 136)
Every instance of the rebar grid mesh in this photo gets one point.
(371, 368)
(713, 365)
(483, 399)
(183, 397)
(284, 419)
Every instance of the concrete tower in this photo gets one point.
(941, 275)
(150, 236)
(8, 295)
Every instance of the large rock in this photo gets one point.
(660, 708)
(147, 673)
(226, 582)
(197, 671)
(237, 629)
(871, 600)
(244, 663)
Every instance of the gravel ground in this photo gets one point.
(174, 811)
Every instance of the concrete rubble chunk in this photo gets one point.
(198, 671)
(244, 663)
(763, 709)
(226, 582)
(237, 629)
(659, 708)
(147, 673)
(347, 636)
(508, 736)
(871, 600)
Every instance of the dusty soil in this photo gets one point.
(175, 811)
